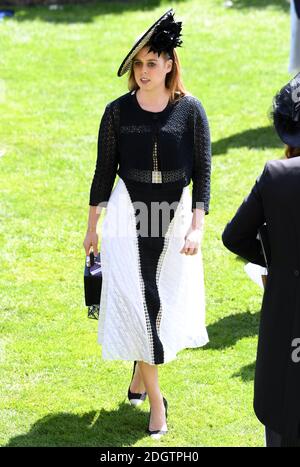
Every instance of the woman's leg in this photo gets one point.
(137, 385)
(150, 377)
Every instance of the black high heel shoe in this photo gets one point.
(135, 398)
(156, 434)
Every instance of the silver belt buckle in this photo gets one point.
(156, 176)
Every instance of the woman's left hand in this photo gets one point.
(193, 241)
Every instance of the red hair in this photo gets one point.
(291, 151)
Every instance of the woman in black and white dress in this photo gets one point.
(156, 139)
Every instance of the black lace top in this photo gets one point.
(171, 148)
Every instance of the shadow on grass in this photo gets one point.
(280, 4)
(246, 373)
(257, 138)
(227, 331)
(86, 12)
(121, 427)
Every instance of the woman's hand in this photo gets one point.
(91, 240)
(193, 241)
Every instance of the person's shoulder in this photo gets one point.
(276, 165)
(194, 105)
(123, 99)
(266, 169)
(275, 169)
(192, 100)
(283, 166)
(112, 108)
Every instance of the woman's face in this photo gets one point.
(151, 67)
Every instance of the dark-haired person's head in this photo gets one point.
(285, 115)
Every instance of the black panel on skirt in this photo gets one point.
(151, 247)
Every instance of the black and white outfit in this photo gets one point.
(152, 299)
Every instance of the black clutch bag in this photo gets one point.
(93, 284)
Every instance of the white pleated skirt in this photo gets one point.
(128, 329)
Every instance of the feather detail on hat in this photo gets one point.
(166, 35)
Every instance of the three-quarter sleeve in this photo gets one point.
(107, 159)
(201, 172)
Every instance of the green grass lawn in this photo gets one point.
(58, 71)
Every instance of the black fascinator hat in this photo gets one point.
(286, 112)
(162, 36)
